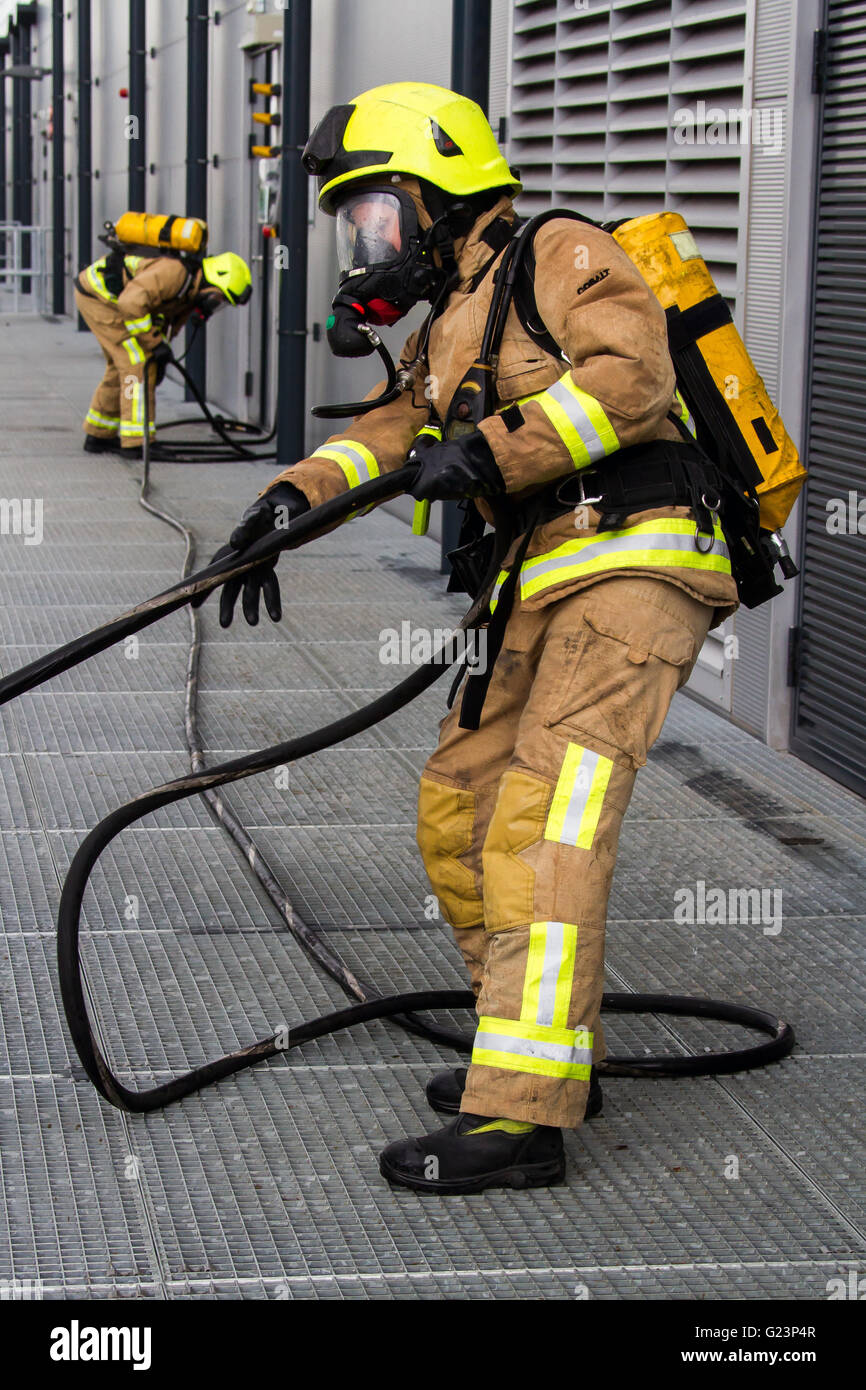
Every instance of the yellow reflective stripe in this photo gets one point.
(534, 972)
(435, 431)
(107, 422)
(665, 543)
(141, 325)
(355, 459)
(577, 800)
(534, 1049)
(578, 419)
(134, 351)
(96, 282)
(686, 416)
(420, 518)
(132, 263)
(549, 973)
(507, 1126)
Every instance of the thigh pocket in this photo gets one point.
(618, 671)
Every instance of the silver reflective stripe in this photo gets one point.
(359, 461)
(639, 541)
(580, 794)
(554, 945)
(577, 415)
(345, 455)
(532, 1047)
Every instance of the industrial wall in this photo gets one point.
(585, 98)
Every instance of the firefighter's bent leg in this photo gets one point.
(103, 418)
(458, 792)
(613, 656)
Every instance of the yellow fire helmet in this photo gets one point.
(409, 128)
(231, 274)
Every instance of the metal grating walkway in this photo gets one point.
(267, 1186)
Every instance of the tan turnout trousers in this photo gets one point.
(117, 405)
(519, 822)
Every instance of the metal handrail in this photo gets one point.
(12, 245)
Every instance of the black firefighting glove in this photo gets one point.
(161, 356)
(463, 467)
(274, 510)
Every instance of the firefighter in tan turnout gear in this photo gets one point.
(519, 818)
(134, 305)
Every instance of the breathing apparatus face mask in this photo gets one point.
(386, 266)
(207, 303)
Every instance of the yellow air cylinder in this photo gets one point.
(162, 231)
(666, 254)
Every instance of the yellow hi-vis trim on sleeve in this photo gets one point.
(578, 419)
(549, 974)
(96, 282)
(667, 543)
(578, 798)
(531, 1047)
(142, 325)
(686, 416)
(355, 459)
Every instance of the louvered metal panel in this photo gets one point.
(830, 708)
(594, 95)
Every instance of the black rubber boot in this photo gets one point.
(471, 1154)
(445, 1092)
(95, 444)
(131, 452)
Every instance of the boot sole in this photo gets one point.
(539, 1175)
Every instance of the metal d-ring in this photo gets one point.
(712, 508)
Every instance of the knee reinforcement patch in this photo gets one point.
(446, 830)
(516, 825)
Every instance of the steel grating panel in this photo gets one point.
(18, 806)
(76, 790)
(62, 1149)
(46, 627)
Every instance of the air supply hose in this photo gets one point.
(229, 448)
(82, 1031)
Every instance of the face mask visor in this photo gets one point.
(208, 303)
(371, 232)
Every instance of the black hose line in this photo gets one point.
(204, 581)
(206, 780)
(217, 424)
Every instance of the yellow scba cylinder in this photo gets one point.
(666, 254)
(168, 231)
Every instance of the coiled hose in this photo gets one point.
(206, 780)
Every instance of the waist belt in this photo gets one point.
(664, 473)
